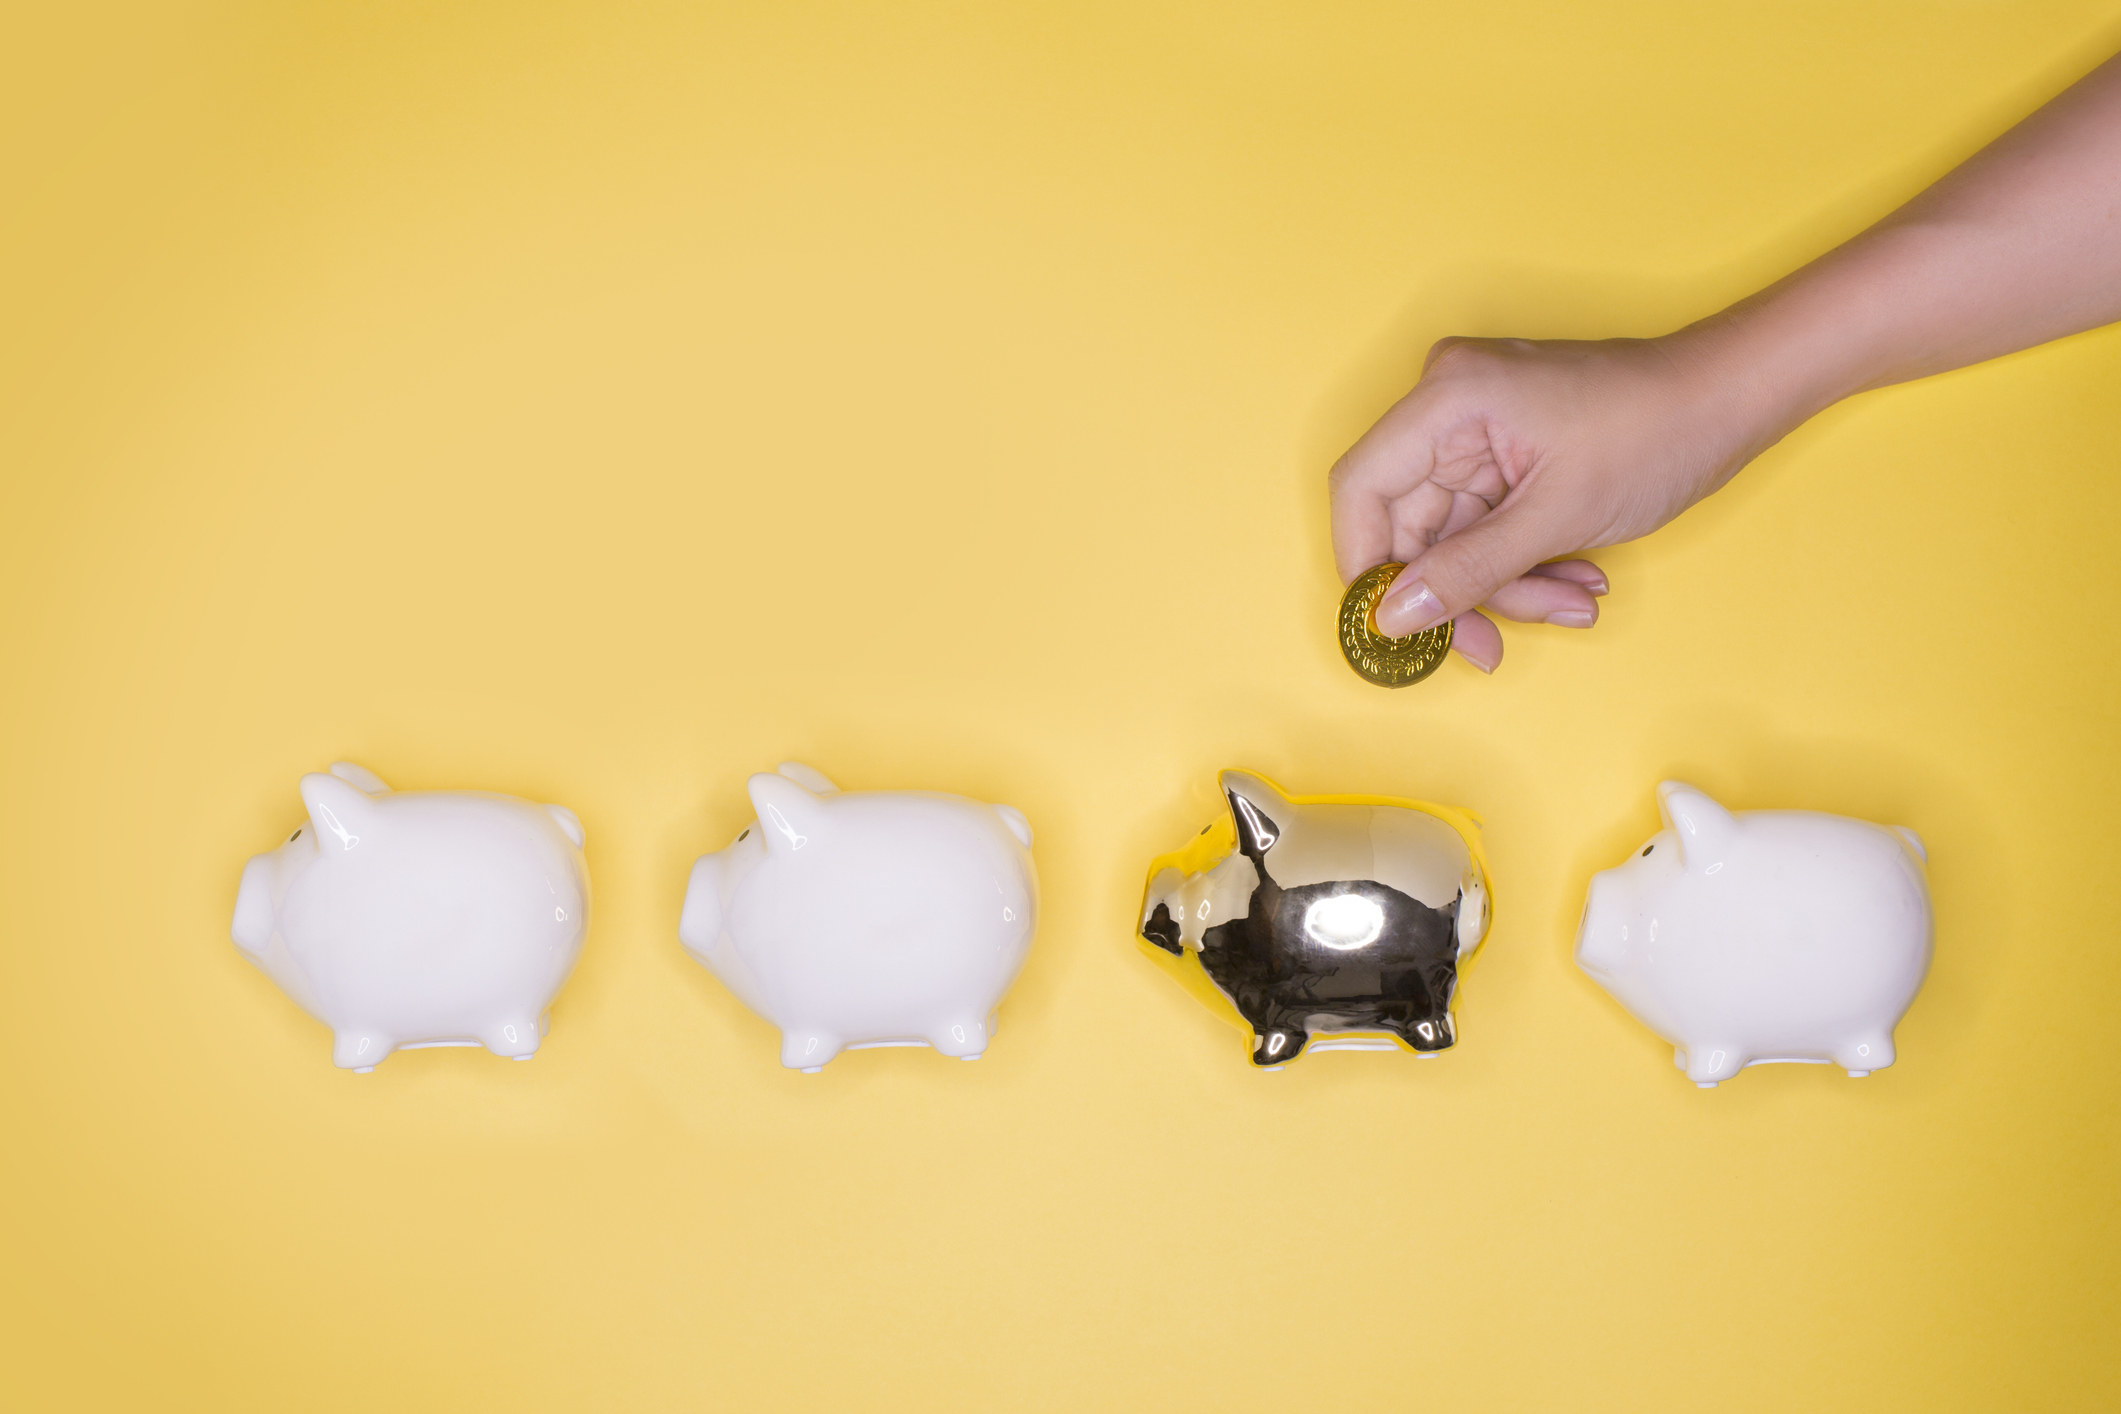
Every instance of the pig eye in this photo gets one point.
(1646, 850)
(295, 836)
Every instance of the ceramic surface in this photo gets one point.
(418, 918)
(1341, 917)
(866, 918)
(1761, 936)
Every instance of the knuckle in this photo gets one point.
(1448, 354)
(1460, 357)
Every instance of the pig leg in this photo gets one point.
(1428, 1029)
(1278, 1042)
(1862, 1056)
(967, 1040)
(1426, 1034)
(516, 1037)
(1416, 1005)
(358, 1048)
(808, 1051)
(1706, 1065)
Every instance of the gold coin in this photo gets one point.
(1388, 662)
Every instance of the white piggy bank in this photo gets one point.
(427, 918)
(1771, 935)
(866, 918)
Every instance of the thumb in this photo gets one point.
(1463, 569)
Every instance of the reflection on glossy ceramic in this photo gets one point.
(1344, 918)
(418, 918)
(866, 918)
(1768, 935)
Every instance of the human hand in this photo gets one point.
(1510, 456)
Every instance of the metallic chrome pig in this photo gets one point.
(1332, 915)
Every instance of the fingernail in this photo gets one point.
(1409, 610)
(1485, 665)
(1599, 586)
(1572, 618)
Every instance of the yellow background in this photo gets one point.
(601, 402)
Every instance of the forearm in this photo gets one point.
(2019, 245)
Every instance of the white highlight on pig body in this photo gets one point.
(1764, 936)
(1345, 922)
(416, 919)
(866, 918)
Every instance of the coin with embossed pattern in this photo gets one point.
(1388, 662)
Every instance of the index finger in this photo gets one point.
(1387, 462)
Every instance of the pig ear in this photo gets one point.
(788, 814)
(359, 777)
(341, 814)
(810, 778)
(1018, 825)
(569, 824)
(1255, 807)
(1703, 826)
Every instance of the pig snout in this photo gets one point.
(1601, 939)
(700, 924)
(252, 928)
